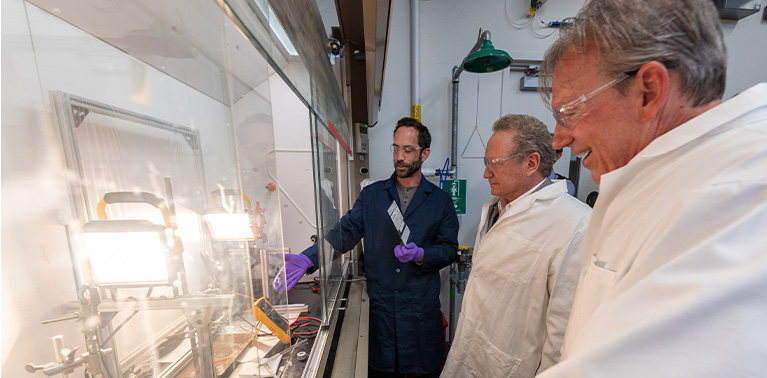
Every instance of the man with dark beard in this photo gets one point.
(403, 283)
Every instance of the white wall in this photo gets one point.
(747, 52)
(448, 30)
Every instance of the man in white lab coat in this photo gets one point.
(674, 275)
(526, 260)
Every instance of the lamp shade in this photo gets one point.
(486, 59)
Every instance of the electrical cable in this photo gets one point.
(543, 25)
(259, 333)
(514, 24)
(230, 291)
(251, 330)
(114, 332)
(109, 337)
(253, 326)
(443, 173)
(258, 329)
(529, 23)
(106, 373)
(310, 321)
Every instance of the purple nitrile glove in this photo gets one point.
(408, 252)
(295, 268)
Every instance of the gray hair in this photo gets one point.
(681, 34)
(532, 136)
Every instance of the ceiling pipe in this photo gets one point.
(415, 60)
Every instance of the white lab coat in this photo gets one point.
(523, 278)
(674, 276)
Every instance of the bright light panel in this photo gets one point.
(230, 226)
(276, 27)
(126, 257)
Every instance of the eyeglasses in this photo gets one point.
(407, 150)
(565, 111)
(495, 162)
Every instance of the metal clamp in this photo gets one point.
(67, 362)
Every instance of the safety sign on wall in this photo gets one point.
(457, 191)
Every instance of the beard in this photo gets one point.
(412, 168)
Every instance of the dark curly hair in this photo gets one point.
(424, 137)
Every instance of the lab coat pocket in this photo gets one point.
(511, 258)
(487, 361)
(598, 273)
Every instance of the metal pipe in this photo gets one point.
(61, 357)
(264, 272)
(451, 323)
(178, 246)
(463, 261)
(484, 35)
(199, 317)
(205, 347)
(454, 140)
(415, 56)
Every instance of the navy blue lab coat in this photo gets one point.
(405, 314)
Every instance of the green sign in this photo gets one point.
(457, 190)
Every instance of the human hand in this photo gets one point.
(295, 268)
(408, 252)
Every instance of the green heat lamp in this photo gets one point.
(482, 58)
(486, 59)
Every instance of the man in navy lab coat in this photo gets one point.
(403, 283)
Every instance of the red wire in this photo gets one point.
(258, 330)
(306, 333)
(309, 322)
(245, 329)
(305, 318)
(233, 292)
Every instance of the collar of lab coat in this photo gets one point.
(715, 120)
(418, 197)
(705, 123)
(523, 202)
(526, 200)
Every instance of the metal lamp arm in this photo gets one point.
(484, 35)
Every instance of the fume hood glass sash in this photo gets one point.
(328, 206)
(160, 109)
(309, 74)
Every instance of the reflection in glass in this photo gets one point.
(327, 156)
(146, 100)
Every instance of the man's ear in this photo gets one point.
(654, 83)
(425, 154)
(533, 162)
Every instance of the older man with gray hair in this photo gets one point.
(526, 260)
(674, 276)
